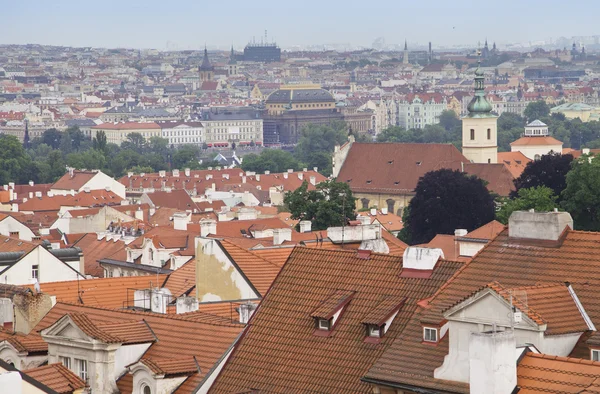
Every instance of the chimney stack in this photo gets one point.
(187, 172)
(280, 235)
(180, 221)
(547, 226)
(305, 226)
(419, 262)
(492, 362)
(208, 226)
(313, 180)
(460, 232)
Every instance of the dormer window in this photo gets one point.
(373, 331)
(595, 355)
(328, 313)
(379, 320)
(430, 334)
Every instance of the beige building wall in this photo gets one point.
(479, 139)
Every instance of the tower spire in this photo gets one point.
(479, 105)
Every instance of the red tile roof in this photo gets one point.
(75, 181)
(498, 177)
(178, 199)
(279, 352)
(514, 161)
(94, 250)
(395, 168)
(56, 377)
(530, 141)
(514, 264)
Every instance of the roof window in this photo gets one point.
(369, 181)
(430, 334)
(327, 314)
(418, 163)
(378, 321)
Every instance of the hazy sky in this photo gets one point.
(191, 23)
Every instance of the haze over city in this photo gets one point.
(190, 24)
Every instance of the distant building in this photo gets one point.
(222, 128)
(206, 70)
(262, 52)
(181, 133)
(578, 110)
(117, 133)
(419, 110)
(536, 141)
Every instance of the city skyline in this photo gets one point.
(189, 25)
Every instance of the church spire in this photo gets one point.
(405, 45)
(479, 105)
(26, 136)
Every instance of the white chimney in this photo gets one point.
(187, 172)
(129, 174)
(258, 177)
(267, 172)
(460, 232)
(363, 219)
(290, 170)
(180, 221)
(139, 214)
(418, 258)
(107, 188)
(300, 175)
(159, 299)
(313, 180)
(225, 176)
(247, 213)
(285, 175)
(316, 169)
(246, 311)
(151, 211)
(187, 304)
(30, 195)
(31, 183)
(243, 179)
(86, 189)
(538, 225)
(492, 363)
(384, 211)
(208, 226)
(11, 185)
(305, 226)
(72, 192)
(373, 211)
(209, 176)
(585, 151)
(176, 173)
(305, 169)
(161, 173)
(280, 235)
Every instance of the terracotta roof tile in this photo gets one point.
(333, 303)
(95, 249)
(91, 329)
(395, 168)
(498, 177)
(170, 367)
(531, 141)
(514, 264)
(56, 377)
(74, 182)
(178, 199)
(182, 280)
(280, 354)
(514, 161)
(488, 231)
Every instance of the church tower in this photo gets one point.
(405, 55)
(207, 71)
(479, 127)
(232, 65)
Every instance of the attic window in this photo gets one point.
(397, 183)
(391, 162)
(327, 314)
(324, 324)
(374, 331)
(369, 182)
(378, 321)
(430, 334)
(418, 163)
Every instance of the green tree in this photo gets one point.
(135, 142)
(56, 165)
(159, 146)
(52, 138)
(320, 138)
(536, 110)
(331, 204)
(274, 160)
(396, 134)
(76, 136)
(508, 121)
(444, 201)
(540, 198)
(550, 171)
(99, 141)
(581, 197)
(449, 120)
(186, 157)
(15, 164)
(90, 160)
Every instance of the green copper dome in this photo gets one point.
(479, 107)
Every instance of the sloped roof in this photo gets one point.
(94, 250)
(177, 338)
(535, 141)
(498, 177)
(57, 377)
(75, 182)
(487, 231)
(280, 354)
(514, 161)
(514, 264)
(178, 199)
(395, 168)
(183, 280)
(541, 373)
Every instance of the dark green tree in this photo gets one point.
(320, 138)
(99, 141)
(274, 160)
(540, 198)
(449, 120)
(136, 142)
(396, 134)
(52, 138)
(15, 164)
(187, 157)
(76, 136)
(536, 110)
(444, 201)
(331, 204)
(581, 197)
(550, 171)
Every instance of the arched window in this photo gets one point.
(489, 134)
(390, 205)
(472, 134)
(146, 389)
(365, 203)
(151, 255)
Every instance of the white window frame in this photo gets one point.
(374, 331)
(428, 338)
(596, 352)
(326, 326)
(66, 361)
(82, 369)
(35, 271)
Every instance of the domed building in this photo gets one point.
(299, 97)
(536, 141)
